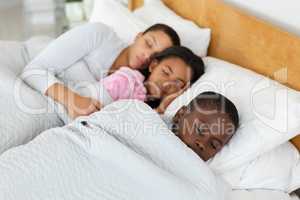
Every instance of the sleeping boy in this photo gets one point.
(100, 151)
(206, 124)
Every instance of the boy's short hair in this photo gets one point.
(220, 102)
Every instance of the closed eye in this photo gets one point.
(149, 44)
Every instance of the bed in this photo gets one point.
(255, 49)
(242, 45)
(265, 49)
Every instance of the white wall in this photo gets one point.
(283, 13)
(9, 3)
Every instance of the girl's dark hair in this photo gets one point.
(167, 30)
(192, 60)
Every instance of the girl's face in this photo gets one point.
(145, 45)
(167, 77)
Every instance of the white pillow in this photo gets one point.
(269, 112)
(191, 35)
(123, 22)
(127, 25)
(266, 171)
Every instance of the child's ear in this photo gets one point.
(138, 36)
(179, 114)
(152, 65)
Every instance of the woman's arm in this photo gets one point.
(75, 104)
(62, 53)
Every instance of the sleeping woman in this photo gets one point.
(87, 54)
(166, 76)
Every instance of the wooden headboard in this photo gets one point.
(243, 39)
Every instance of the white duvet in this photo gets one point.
(125, 152)
(21, 118)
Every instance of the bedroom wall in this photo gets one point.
(10, 3)
(283, 13)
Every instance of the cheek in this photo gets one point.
(174, 88)
(155, 77)
(170, 88)
(131, 53)
(181, 131)
(187, 135)
(136, 48)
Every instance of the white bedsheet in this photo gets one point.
(120, 155)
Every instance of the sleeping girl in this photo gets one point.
(165, 77)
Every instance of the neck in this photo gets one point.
(121, 60)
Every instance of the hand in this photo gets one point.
(166, 101)
(82, 106)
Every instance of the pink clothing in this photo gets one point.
(125, 83)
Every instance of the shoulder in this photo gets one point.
(131, 74)
(95, 28)
(98, 26)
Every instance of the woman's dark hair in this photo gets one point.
(167, 30)
(192, 60)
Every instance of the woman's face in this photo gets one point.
(145, 45)
(167, 77)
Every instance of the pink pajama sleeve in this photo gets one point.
(125, 83)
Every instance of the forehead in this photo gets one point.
(162, 39)
(178, 67)
(216, 122)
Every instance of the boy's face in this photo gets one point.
(205, 131)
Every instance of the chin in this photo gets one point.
(134, 66)
(204, 158)
(137, 64)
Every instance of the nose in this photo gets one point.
(200, 145)
(146, 55)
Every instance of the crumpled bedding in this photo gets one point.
(24, 112)
(124, 151)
